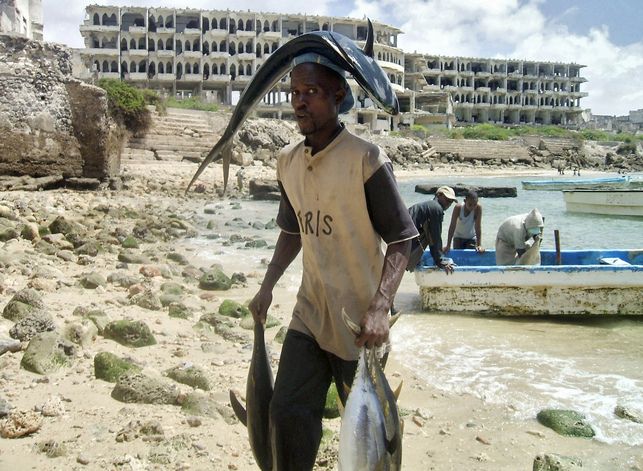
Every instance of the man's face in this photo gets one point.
(444, 201)
(470, 203)
(316, 95)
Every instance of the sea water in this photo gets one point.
(527, 364)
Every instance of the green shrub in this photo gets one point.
(485, 131)
(127, 105)
(626, 148)
(153, 98)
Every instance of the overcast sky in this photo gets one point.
(604, 35)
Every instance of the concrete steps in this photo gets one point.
(470, 149)
(177, 135)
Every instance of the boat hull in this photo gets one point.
(581, 285)
(577, 183)
(610, 202)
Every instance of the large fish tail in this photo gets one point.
(238, 409)
(215, 154)
(227, 158)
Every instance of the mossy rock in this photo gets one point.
(167, 299)
(566, 422)
(23, 303)
(191, 375)
(178, 258)
(331, 408)
(60, 225)
(554, 462)
(197, 403)
(110, 367)
(130, 256)
(136, 387)
(129, 333)
(172, 287)
(281, 335)
(179, 310)
(248, 322)
(130, 242)
(93, 280)
(230, 308)
(215, 280)
(46, 353)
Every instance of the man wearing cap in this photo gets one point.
(339, 206)
(513, 245)
(427, 217)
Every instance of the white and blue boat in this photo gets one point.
(609, 202)
(619, 181)
(582, 282)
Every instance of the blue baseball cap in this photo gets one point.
(315, 58)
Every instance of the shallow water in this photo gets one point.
(527, 364)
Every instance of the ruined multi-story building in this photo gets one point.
(22, 18)
(214, 53)
(500, 90)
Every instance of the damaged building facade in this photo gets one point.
(214, 53)
(21, 18)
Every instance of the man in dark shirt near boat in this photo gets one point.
(427, 217)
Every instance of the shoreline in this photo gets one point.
(443, 431)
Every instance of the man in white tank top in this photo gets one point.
(465, 230)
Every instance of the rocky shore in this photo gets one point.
(123, 329)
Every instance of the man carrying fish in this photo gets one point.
(339, 206)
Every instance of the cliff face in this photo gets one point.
(50, 123)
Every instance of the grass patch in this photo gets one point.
(127, 105)
(192, 103)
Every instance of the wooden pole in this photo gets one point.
(557, 241)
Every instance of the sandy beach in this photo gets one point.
(80, 425)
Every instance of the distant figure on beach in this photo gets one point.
(427, 217)
(513, 244)
(241, 176)
(465, 230)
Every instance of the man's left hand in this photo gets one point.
(375, 328)
(448, 267)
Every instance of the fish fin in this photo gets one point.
(393, 319)
(368, 47)
(340, 407)
(227, 158)
(238, 409)
(219, 150)
(384, 359)
(398, 390)
(352, 326)
(391, 445)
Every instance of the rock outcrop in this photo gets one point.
(50, 123)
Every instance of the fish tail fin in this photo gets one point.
(352, 326)
(226, 153)
(368, 46)
(394, 318)
(391, 445)
(215, 154)
(238, 409)
(398, 390)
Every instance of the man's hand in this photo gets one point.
(446, 249)
(374, 327)
(480, 249)
(260, 304)
(448, 267)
